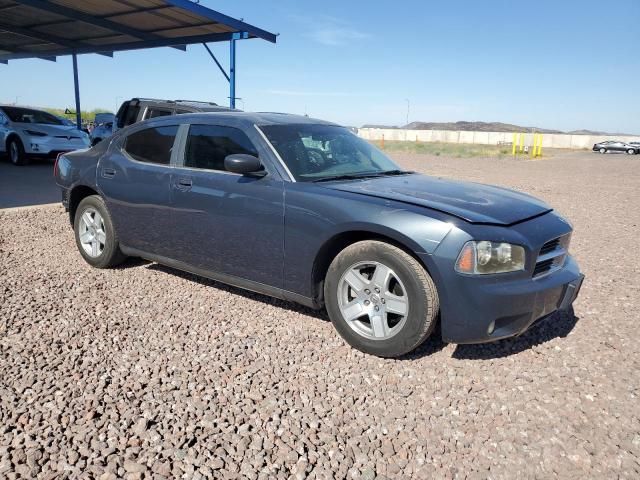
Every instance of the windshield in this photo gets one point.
(315, 152)
(27, 115)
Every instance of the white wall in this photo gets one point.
(549, 140)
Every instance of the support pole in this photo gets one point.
(232, 73)
(76, 85)
(216, 60)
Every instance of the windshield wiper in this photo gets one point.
(354, 176)
(395, 172)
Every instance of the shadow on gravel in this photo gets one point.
(431, 345)
(294, 307)
(132, 262)
(557, 325)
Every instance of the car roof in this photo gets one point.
(238, 119)
(4, 105)
(195, 105)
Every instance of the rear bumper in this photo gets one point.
(511, 307)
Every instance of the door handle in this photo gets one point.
(184, 184)
(108, 173)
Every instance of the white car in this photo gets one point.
(26, 132)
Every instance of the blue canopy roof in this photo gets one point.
(50, 28)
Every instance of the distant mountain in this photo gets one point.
(486, 127)
(476, 127)
(373, 125)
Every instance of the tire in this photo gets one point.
(631, 151)
(107, 252)
(16, 152)
(382, 332)
(603, 150)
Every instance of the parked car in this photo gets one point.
(616, 146)
(26, 132)
(139, 109)
(66, 121)
(103, 127)
(303, 210)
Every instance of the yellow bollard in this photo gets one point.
(533, 145)
(513, 143)
(521, 142)
(382, 142)
(540, 145)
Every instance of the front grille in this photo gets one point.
(550, 246)
(543, 267)
(66, 137)
(552, 255)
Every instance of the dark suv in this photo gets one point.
(138, 109)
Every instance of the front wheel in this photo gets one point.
(380, 299)
(96, 238)
(603, 150)
(17, 154)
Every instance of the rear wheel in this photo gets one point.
(16, 152)
(380, 299)
(603, 150)
(96, 238)
(631, 151)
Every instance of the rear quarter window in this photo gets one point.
(151, 145)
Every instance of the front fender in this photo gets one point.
(316, 216)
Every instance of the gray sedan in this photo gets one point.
(617, 146)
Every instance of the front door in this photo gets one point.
(135, 179)
(230, 224)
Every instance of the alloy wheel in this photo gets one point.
(373, 300)
(92, 233)
(14, 153)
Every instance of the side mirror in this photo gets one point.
(244, 164)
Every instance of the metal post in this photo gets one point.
(76, 85)
(232, 73)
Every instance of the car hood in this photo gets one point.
(52, 130)
(473, 202)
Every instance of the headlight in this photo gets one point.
(490, 257)
(35, 133)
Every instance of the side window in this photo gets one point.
(208, 145)
(152, 145)
(130, 115)
(156, 112)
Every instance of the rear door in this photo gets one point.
(230, 223)
(135, 180)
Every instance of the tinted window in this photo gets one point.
(208, 145)
(157, 112)
(152, 145)
(127, 114)
(27, 115)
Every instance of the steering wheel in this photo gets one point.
(317, 159)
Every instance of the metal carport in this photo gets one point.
(47, 29)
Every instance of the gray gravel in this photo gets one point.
(145, 372)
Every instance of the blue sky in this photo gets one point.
(553, 64)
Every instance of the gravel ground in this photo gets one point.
(146, 372)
